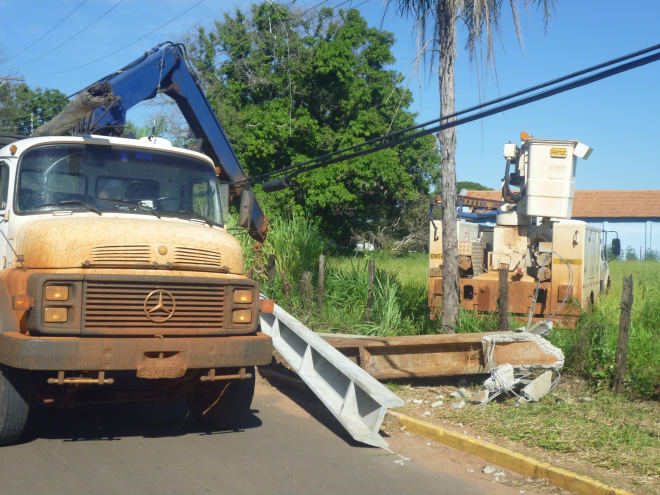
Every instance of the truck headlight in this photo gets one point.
(56, 293)
(243, 296)
(56, 315)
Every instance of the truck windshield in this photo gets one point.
(116, 179)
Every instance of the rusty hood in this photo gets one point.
(75, 242)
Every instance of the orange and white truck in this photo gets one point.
(120, 280)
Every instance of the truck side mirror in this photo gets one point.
(245, 210)
(616, 247)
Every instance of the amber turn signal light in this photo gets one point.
(21, 302)
(266, 305)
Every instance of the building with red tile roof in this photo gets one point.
(634, 215)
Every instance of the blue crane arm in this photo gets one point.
(164, 69)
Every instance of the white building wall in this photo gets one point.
(641, 235)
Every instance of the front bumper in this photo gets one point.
(102, 354)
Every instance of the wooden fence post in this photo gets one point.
(624, 328)
(306, 289)
(503, 299)
(370, 290)
(271, 267)
(285, 284)
(321, 281)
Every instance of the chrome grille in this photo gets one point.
(118, 307)
(121, 254)
(194, 256)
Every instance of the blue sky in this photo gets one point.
(618, 117)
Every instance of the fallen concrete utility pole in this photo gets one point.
(357, 400)
(91, 98)
(448, 354)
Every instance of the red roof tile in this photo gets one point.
(604, 204)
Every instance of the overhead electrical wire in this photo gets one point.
(142, 37)
(123, 47)
(47, 32)
(79, 32)
(330, 158)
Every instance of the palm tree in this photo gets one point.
(438, 18)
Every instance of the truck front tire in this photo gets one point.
(14, 403)
(222, 405)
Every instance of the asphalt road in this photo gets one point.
(288, 445)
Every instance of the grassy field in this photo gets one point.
(412, 268)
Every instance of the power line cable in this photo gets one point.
(47, 32)
(492, 102)
(79, 32)
(326, 160)
(123, 47)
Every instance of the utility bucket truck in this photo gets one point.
(117, 266)
(555, 266)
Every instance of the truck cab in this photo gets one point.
(116, 260)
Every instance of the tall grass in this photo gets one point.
(295, 241)
(297, 244)
(590, 348)
(409, 267)
(398, 308)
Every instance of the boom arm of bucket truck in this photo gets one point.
(165, 69)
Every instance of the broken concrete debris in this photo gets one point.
(504, 381)
(500, 377)
(541, 328)
(461, 393)
(538, 388)
(545, 356)
(479, 397)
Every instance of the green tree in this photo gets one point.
(288, 89)
(652, 254)
(23, 108)
(471, 186)
(480, 18)
(631, 254)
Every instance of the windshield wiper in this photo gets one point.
(132, 203)
(70, 203)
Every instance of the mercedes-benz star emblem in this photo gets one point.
(162, 306)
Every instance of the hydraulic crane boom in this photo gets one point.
(165, 69)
